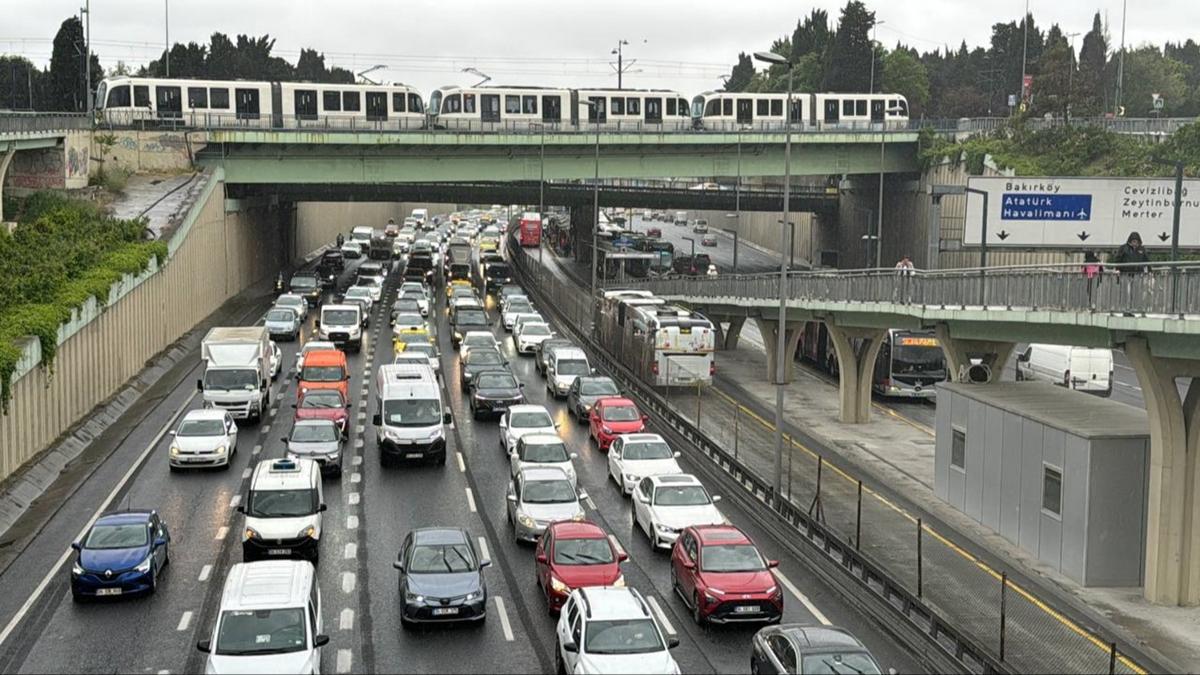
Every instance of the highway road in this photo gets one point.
(371, 508)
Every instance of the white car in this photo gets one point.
(276, 361)
(664, 505)
(609, 629)
(373, 283)
(530, 335)
(205, 437)
(522, 420)
(526, 316)
(419, 296)
(294, 302)
(514, 307)
(415, 286)
(541, 450)
(414, 351)
(409, 322)
(632, 457)
(477, 338)
(351, 250)
(504, 300)
(361, 293)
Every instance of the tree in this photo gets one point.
(848, 58)
(1052, 86)
(1090, 84)
(812, 35)
(1188, 54)
(904, 74)
(20, 83)
(187, 61)
(67, 81)
(741, 75)
(1148, 72)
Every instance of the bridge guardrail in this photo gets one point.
(14, 123)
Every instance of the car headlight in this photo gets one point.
(76, 570)
(772, 590)
(174, 450)
(413, 597)
(664, 529)
(578, 516)
(473, 595)
(630, 478)
(250, 533)
(221, 449)
(144, 566)
(606, 429)
(714, 591)
(558, 586)
(309, 532)
(525, 520)
(457, 335)
(620, 582)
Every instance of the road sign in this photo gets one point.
(1157, 100)
(1074, 212)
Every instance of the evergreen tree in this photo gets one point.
(67, 80)
(1052, 86)
(741, 75)
(812, 35)
(1090, 82)
(20, 83)
(848, 58)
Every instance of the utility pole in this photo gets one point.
(1121, 61)
(1070, 78)
(1024, 49)
(167, 36)
(87, 59)
(871, 89)
(621, 66)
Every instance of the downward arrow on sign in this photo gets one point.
(1163, 236)
(1002, 234)
(1083, 236)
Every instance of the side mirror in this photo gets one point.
(377, 419)
(689, 565)
(622, 557)
(772, 564)
(583, 495)
(521, 384)
(171, 433)
(512, 498)
(294, 405)
(570, 646)
(574, 455)
(398, 565)
(542, 559)
(76, 546)
(241, 509)
(317, 323)
(447, 417)
(204, 646)
(485, 563)
(283, 438)
(349, 405)
(677, 455)
(716, 498)
(557, 425)
(200, 385)
(503, 423)
(672, 642)
(645, 419)
(320, 640)
(322, 508)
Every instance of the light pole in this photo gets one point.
(167, 36)
(737, 201)
(736, 227)
(781, 331)
(1024, 50)
(871, 89)
(87, 59)
(620, 61)
(593, 106)
(1070, 78)
(542, 193)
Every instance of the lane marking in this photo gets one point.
(616, 544)
(257, 449)
(357, 460)
(356, 477)
(348, 581)
(358, 442)
(266, 427)
(234, 501)
(504, 624)
(344, 660)
(351, 522)
(346, 621)
(184, 621)
(351, 551)
(221, 533)
(808, 604)
(205, 572)
(362, 416)
(273, 412)
(358, 429)
(246, 473)
(483, 549)
(462, 465)
(591, 504)
(353, 498)
(658, 612)
(471, 500)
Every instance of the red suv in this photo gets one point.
(612, 417)
(324, 404)
(720, 574)
(574, 554)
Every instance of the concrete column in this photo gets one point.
(1172, 521)
(959, 353)
(734, 333)
(5, 160)
(583, 219)
(856, 349)
(792, 332)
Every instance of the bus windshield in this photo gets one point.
(917, 354)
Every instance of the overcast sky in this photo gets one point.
(680, 44)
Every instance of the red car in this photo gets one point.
(720, 574)
(655, 232)
(324, 404)
(612, 417)
(571, 555)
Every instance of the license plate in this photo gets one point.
(746, 609)
(413, 455)
(445, 611)
(108, 591)
(279, 551)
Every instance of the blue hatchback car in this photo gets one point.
(122, 554)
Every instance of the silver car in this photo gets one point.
(318, 440)
(540, 496)
(293, 301)
(283, 323)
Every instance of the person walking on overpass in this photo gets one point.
(906, 270)
(1093, 271)
(340, 240)
(1132, 258)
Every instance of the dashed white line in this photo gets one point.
(462, 465)
(662, 617)
(164, 672)
(273, 412)
(591, 504)
(471, 500)
(257, 449)
(351, 522)
(504, 624)
(812, 609)
(362, 416)
(358, 442)
(348, 581)
(346, 620)
(353, 498)
(246, 473)
(205, 572)
(266, 427)
(483, 549)
(616, 544)
(221, 533)
(357, 460)
(358, 429)
(351, 551)
(184, 621)
(356, 477)
(234, 501)
(344, 660)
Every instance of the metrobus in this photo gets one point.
(909, 364)
(665, 345)
(530, 231)
(665, 251)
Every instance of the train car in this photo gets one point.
(632, 109)
(859, 111)
(139, 101)
(497, 108)
(721, 110)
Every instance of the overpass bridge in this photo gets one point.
(56, 145)
(980, 315)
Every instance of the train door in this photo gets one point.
(305, 104)
(598, 111)
(551, 109)
(832, 111)
(377, 106)
(246, 103)
(169, 102)
(654, 111)
(877, 110)
(745, 111)
(490, 107)
(276, 105)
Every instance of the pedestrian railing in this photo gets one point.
(28, 123)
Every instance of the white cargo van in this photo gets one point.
(420, 215)
(410, 416)
(1081, 368)
(341, 325)
(283, 511)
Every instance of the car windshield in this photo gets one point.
(303, 282)
(620, 413)
(367, 280)
(412, 412)
(407, 305)
(201, 428)
(486, 357)
(544, 452)
(261, 631)
(230, 379)
(833, 663)
(321, 398)
(731, 558)
(415, 296)
(290, 301)
(322, 374)
(339, 317)
(470, 317)
(634, 636)
(680, 495)
(314, 433)
(548, 492)
(535, 329)
(410, 321)
(441, 559)
(281, 315)
(496, 381)
(126, 535)
(519, 307)
(358, 292)
(572, 367)
(647, 450)
(282, 503)
(605, 387)
(423, 348)
(530, 420)
(479, 341)
(582, 551)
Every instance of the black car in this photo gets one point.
(467, 319)
(441, 577)
(544, 349)
(509, 289)
(585, 391)
(798, 648)
(307, 284)
(334, 260)
(477, 361)
(493, 392)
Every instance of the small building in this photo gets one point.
(1059, 473)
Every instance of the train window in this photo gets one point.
(197, 97)
(633, 106)
(512, 105)
(305, 103)
(218, 98)
(141, 96)
(712, 108)
(529, 105)
(671, 106)
(119, 97)
(683, 107)
(654, 110)
(414, 103)
(777, 108)
(332, 101)
(901, 107)
(453, 104)
(762, 107)
(847, 108)
(727, 107)
(596, 111)
(551, 109)
(397, 102)
(860, 108)
(351, 101)
(617, 107)
(468, 103)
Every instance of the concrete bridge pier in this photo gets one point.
(791, 333)
(856, 349)
(1173, 506)
(727, 338)
(5, 160)
(961, 351)
(583, 220)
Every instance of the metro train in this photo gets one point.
(289, 105)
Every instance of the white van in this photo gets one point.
(1080, 368)
(341, 325)
(410, 416)
(283, 511)
(420, 215)
(269, 621)
(681, 218)
(563, 367)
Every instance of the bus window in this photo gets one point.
(618, 106)
(197, 97)
(777, 108)
(654, 110)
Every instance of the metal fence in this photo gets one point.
(1001, 623)
(18, 123)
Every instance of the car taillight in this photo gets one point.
(712, 369)
(654, 368)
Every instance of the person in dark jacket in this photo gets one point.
(1130, 253)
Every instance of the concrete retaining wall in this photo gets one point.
(152, 151)
(213, 256)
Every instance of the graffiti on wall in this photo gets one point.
(77, 162)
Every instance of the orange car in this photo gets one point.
(326, 369)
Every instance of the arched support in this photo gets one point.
(1172, 521)
(727, 338)
(960, 352)
(5, 160)
(792, 333)
(856, 349)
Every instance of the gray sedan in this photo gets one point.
(318, 440)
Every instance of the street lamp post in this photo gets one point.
(167, 36)
(542, 194)
(871, 89)
(737, 202)
(594, 107)
(620, 60)
(87, 61)
(781, 330)
(1070, 78)
(983, 251)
